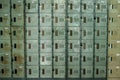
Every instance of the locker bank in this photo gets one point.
(59, 40)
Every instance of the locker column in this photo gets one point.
(87, 39)
(5, 42)
(100, 42)
(73, 33)
(31, 12)
(17, 38)
(59, 38)
(114, 40)
(46, 51)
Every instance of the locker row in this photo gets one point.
(17, 6)
(45, 33)
(58, 45)
(58, 71)
(57, 19)
(86, 59)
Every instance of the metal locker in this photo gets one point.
(45, 20)
(100, 59)
(5, 20)
(59, 59)
(4, 33)
(18, 45)
(17, 6)
(17, 20)
(46, 59)
(45, 6)
(32, 33)
(45, 33)
(74, 33)
(17, 33)
(59, 71)
(73, 59)
(59, 33)
(46, 71)
(5, 59)
(100, 71)
(100, 46)
(5, 71)
(113, 33)
(59, 45)
(5, 46)
(87, 72)
(18, 58)
(73, 46)
(31, 5)
(59, 6)
(18, 71)
(113, 72)
(5, 6)
(74, 6)
(87, 33)
(31, 20)
(101, 20)
(114, 20)
(100, 33)
(113, 46)
(101, 6)
(87, 59)
(32, 72)
(32, 46)
(87, 46)
(87, 6)
(113, 59)
(73, 71)
(59, 20)
(87, 20)
(73, 20)
(32, 59)
(46, 46)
